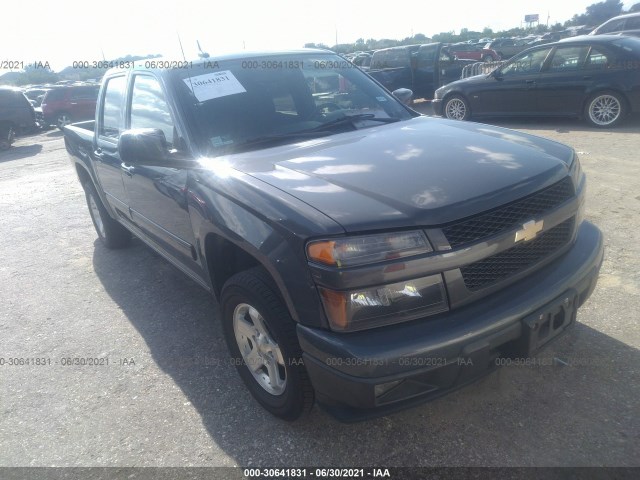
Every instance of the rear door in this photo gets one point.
(564, 81)
(158, 195)
(513, 90)
(108, 130)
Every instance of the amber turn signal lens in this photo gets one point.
(335, 304)
(322, 252)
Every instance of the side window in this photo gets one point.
(149, 108)
(597, 60)
(568, 59)
(84, 93)
(633, 23)
(527, 64)
(613, 26)
(426, 57)
(111, 108)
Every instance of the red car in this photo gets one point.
(469, 51)
(64, 105)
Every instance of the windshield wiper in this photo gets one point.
(351, 119)
(280, 136)
(319, 131)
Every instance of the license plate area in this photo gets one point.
(547, 323)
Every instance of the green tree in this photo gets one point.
(597, 13)
(37, 73)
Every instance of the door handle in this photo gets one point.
(98, 152)
(587, 78)
(128, 170)
(530, 82)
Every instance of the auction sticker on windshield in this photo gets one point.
(214, 85)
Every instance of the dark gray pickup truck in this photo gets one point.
(421, 68)
(363, 255)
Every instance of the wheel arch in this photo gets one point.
(225, 257)
(455, 93)
(603, 89)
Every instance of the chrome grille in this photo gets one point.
(521, 256)
(509, 216)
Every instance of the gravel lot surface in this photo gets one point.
(166, 397)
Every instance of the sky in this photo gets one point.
(63, 31)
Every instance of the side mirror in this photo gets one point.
(142, 145)
(404, 95)
(497, 74)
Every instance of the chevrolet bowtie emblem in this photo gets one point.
(529, 230)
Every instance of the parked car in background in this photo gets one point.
(67, 104)
(507, 47)
(16, 115)
(622, 25)
(595, 77)
(466, 51)
(35, 95)
(420, 68)
(362, 60)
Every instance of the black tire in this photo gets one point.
(488, 58)
(7, 135)
(456, 107)
(112, 234)
(63, 119)
(605, 109)
(254, 288)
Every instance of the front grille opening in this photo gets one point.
(506, 217)
(521, 256)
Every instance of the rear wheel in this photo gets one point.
(7, 135)
(63, 119)
(488, 58)
(112, 234)
(605, 109)
(262, 340)
(456, 108)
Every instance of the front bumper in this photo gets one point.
(436, 104)
(375, 372)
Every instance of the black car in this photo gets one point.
(622, 25)
(16, 115)
(597, 77)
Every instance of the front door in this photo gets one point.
(158, 197)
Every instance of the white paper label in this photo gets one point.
(214, 85)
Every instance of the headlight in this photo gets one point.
(577, 175)
(386, 304)
(365, 249)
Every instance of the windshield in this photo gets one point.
(252, 103)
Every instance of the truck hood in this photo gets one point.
(419, 172)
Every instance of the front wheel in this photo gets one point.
(605, 109)
(111, 233)
(262, 340)
(456, 108)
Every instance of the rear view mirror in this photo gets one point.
(142, 145)
(404, 95)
